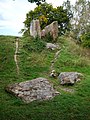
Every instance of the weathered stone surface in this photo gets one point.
(43, 33)
(69, 77)
(51, 46)
(35, 29)
(36, 89)
(53, 74)
(52, 29)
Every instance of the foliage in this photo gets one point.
(35, 45)
(47, 14)
(48, 38)
(38, 2)
(81, 17)
(85, 40)
(67, 5)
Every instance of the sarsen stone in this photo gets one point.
(69, 77)
(36, 89)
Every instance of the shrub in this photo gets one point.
(48, 38)
(46, 15)
(85, 39)
(34, 44)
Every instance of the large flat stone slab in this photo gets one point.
(36, 89)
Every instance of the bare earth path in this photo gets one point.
(16, 55)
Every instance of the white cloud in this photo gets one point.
(56, 3)
(13, 13)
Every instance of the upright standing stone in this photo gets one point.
(35, 29)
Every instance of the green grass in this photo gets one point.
(34, 63)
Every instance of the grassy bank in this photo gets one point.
(33, 63)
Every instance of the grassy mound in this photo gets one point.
(35, 61)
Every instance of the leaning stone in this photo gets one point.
(69, 77)
(51, 29)
(36, 89)
(54, 30)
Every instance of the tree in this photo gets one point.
(81, 19)
(38, 2)
(67, 5)
(85, 40)
(47, 14)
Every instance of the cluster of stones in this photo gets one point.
(36, 89)
(52, 29)
(40, 88)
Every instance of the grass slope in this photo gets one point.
(36, 63)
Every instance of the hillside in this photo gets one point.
(34, 60)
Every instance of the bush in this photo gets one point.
(46, 15)
(48, 38)
(33, 44)
(85, 39)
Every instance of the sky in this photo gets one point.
(13, 13)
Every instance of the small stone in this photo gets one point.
(69, 77)
(51, 46)
(53, 74)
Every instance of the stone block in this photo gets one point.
(35, 29)
(36, 89)
(69, 77)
